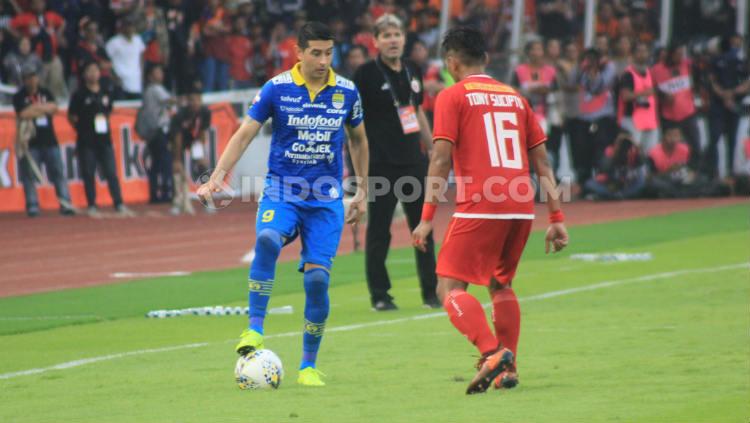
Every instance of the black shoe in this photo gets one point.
(432, 303)
(67, 211)
(32, 212)
(384, 305)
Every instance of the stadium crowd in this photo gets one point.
(627, 105)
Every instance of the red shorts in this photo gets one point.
(478, 250)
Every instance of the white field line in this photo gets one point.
(148, 274)
(70, 317)
(357, 326)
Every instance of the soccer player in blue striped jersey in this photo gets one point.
(311, 108)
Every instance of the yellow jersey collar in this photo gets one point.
(300, 80)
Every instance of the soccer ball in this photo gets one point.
(260, 369)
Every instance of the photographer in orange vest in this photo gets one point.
(537, 81)
(636, 104)
(674, 87)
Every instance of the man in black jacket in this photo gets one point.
(88, 112)
(35, 107)
(400, 137)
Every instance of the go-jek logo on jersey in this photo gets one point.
(317, 136)
(314, 122)
(311, 148)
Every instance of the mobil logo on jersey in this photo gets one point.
(315, 122)
(318, 136)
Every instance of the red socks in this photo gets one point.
(467, 315)
(506, 315)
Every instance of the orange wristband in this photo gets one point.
(556, 216)
(428, 211)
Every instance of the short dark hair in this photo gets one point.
(151, 67)
(313, 31)
(88, 63)
(467, 43)
(359, 47)
(531, 45)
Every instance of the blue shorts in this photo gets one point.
(318, 224)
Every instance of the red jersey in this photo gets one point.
(492, 128)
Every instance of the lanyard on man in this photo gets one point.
(406, 114)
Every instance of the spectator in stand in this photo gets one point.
(601, 44)
(355, 57)
(620, 174)
(730, 82)
(36, 142)
(364, 35)
(45, 29)
(555, 18)
(676, 99)
(341, 45)
(552, 50)
(537, 81)
(260, 53)
(742, 179)
(642, 27)
(177, 71)
(625, 27)
(606, 22)
(622, 57)
(215, 26)
(16, 61)
(636, 108)
(90, 49)
(240, 55)
(152, 27)
(156, 105)
(382, 7)
(282, 49)
(126, 51)
(596, 79)
(188, 134)
(432, 82)
(668, 162)
(567, 73)
(427, 31)
(282, 9)
(322, 10)
(249, 12)
(88, 112)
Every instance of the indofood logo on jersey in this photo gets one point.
(314, 122)
(338, 100)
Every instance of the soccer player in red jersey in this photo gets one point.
(490, 134)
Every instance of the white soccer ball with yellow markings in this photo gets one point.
(260, 369)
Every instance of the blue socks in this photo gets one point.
(316, 312)
(262, 272)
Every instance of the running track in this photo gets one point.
(53, 252)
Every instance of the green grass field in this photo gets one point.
(658, 341)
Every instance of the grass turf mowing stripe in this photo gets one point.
(357, 326)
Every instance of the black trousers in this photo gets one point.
(378, 237)
(721, 121)
(101, 154)
(160, 170)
